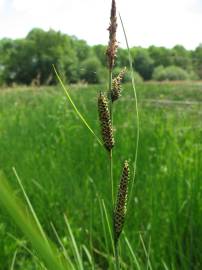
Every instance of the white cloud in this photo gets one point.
(159, 22)
(1, 5)
(39, 6)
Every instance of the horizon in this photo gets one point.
(147, 23)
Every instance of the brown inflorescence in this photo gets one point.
(116, 86)
(121, 203)
(105, 122)
(112, 45)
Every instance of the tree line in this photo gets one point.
(29, 60)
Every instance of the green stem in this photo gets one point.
(136, 109)
(110, 101)
(111, 151)
(111, 176)
(116, 256)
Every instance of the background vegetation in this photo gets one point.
(29, 60)
(57, 160)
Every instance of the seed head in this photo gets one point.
(116, 86)
(105, 122)
(112, 45)
(121, 203)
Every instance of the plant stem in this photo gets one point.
(116, 256)
(111, 151)
(111, 176)
(110, 87)
(136, 109)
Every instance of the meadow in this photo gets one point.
(64, 170)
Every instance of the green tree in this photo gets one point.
(30, 59)
(122, 58)
(92, 71)
(6, 47)
(54, 48)
(181, 57)
(18, 62)
(170, 73)
(24, 60)
(100, 52)
(82, 49)
(197, 60)
(160, 56)
(143, 63)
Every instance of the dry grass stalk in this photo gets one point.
(105, 122)
(116, 86)
(112, 45)
(121, 204)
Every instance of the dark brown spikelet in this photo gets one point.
(116, 86)
(112, 45)
(121, 203)
(105, 122)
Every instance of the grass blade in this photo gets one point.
(25, 221)
(76, 250)
(30, 206)
(75, 108)
(149, 266)
(132, 253)
(88, 255)
(108, 224)
(13, 260)
(23, 245)
(136, 108)
(63, 248)
(165, 266)
(101, 213)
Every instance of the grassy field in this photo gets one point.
(64, 170)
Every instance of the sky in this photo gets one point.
(147, 22)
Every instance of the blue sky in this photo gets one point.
(157, 22)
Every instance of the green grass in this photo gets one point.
(57, 159)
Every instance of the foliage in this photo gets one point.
(91, 71)
(32, 58)
(170, 73)
(29, 60)
(160, 56)
(143, 63)
(181, 57)
(100, 52)
(177, 56)
(41, 128)
(197, 60)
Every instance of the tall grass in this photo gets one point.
(166, 207)
(64, 171)
(33, 229)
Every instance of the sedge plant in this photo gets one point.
(49, 255)
(114, 93)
